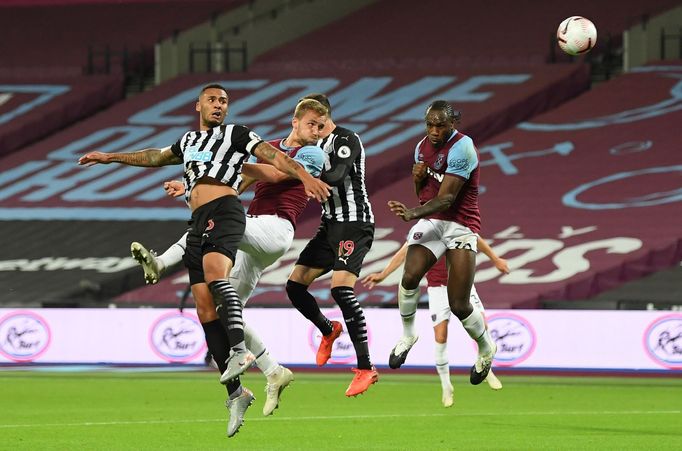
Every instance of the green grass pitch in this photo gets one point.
(184, 410)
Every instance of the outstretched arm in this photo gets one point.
(500, 263)
(146, 158)
(398, 259)
(263, 172)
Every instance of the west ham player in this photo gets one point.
(213, 157)
(340, 245)
(437, 280)
(449, 222)
(269, 231)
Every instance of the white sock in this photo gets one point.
(265, 362)
(474, 324)
(173, 254)
(442, 365)
(407, 304)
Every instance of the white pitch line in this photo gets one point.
(350, 417)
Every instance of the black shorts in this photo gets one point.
(217, 226)
(338, 246)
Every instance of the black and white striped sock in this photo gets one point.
(355, 323)
(229, 309)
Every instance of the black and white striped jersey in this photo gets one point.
(218, 153)
(345, 172)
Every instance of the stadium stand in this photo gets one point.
(499, 78)
(81, 57)
(402, 34)
(579, 200)
(43, 183)
(31, 109)
(68, 29)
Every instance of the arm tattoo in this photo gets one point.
(268, 152)
(146, 158)
(292, 167)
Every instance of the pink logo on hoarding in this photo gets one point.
(343, 351)
(24, 336)
(663, 341)
(177, 337)
(514, 337)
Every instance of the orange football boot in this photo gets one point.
(362, 380)
(324, 352)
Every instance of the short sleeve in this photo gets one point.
(462, 158)
(347, 148)
(243, 137)
(311, 158)
(416, 151)
(177, 147)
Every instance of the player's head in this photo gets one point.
(212, 106)
(323, 99)
(440, 121)
(310, 117)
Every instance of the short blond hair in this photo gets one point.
(306, 105)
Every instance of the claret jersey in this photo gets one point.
(457, 158)
(287, 199)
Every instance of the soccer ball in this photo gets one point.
(576, 35)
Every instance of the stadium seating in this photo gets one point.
(67, 30)
(488, 34)
(380, 91)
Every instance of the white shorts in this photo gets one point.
(266, 239)
(438, 235)
(439, 308)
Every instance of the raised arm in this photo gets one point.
(418, 176)
(270, 155)
(264, 173)
(398, 259)
(146, 158)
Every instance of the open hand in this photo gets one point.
(400, 210)
(372, 280)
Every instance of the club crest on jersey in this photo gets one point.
(439, 161)
(417, 235)
(209, 226)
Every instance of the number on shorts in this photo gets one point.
(462, 245)
(346, 248)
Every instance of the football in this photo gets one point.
(576, 35)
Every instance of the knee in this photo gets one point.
(345, 299)
(295, 292)
(410, 279)
(440, 332)
(206, 310)
(461, 309)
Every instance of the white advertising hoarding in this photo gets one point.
(526, 339)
